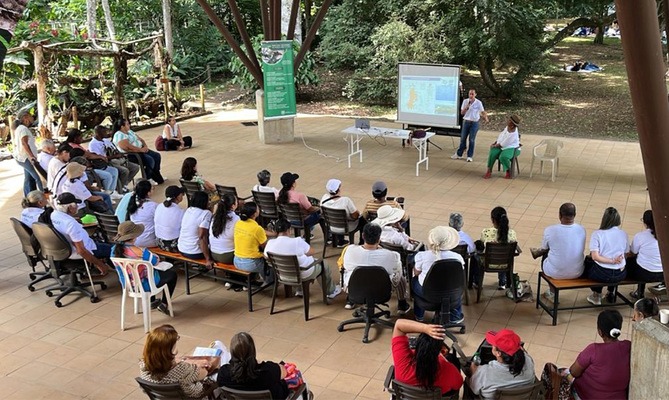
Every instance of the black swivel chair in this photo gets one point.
(31, 249)
(57, 250)
(370, 286)
(444, 278)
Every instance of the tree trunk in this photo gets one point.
(42, 79)
(167, 26)
(110, 23)
(91, 11)
(120, 68)
(599, 37)
(485, 69)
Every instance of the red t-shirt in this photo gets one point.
(606, 372)
(448, 377)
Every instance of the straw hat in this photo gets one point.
(128, 230)
(75, 170)
(444, 236)
(387, 215)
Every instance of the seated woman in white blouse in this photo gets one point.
(173, 138)
(222, 231)
(33, 206)
(644, 263)
(168, 218)
(142, 210)
(504, 148)
(194, 233)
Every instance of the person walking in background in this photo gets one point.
(25, 152)
(472, 110)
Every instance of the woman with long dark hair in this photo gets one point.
(426, 366)
(168, 218)
(189, 173)
(644, 263)
(606, 262)
(512, 366)
(645, 308)
(250, 238)
(221, 233)
(244, 372)
(194, 233)
(142, 210)
(499, 233)
(159, 363)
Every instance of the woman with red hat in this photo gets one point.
(512, 366)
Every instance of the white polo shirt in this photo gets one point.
(78, 189)
(167, 221)
(72, 230)
(610, 243)
(292, 246)
(189, 236)
(645, 246)
(566, 245)
(341, 203)
(425, 259)
(475, 110)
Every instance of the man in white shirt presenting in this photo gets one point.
(472, 110)
(370, 254)
(563, 247)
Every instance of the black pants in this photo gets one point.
(639, 273)
(3, 51)
(174, 144)
(594, 271)
(168, 278)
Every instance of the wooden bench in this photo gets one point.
(229, 269)
(556, 285)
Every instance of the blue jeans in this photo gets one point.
(256, 265)
(109, 177)
(469, 128)
(31, 179)
(598, 273)
(103, 250)
(455, 300)
(151, 160)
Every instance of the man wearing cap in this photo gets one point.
(74, 185)
(371, 254)
(25, 152)
(288, 194)
(379, 193)
(62, 219)
(505, 147)
(472, 110)
(333, 199)
(512, 366)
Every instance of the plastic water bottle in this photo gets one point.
(476, 359)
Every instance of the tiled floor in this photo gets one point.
(79, 351)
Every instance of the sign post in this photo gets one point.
(277, 65)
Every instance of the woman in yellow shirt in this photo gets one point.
(250, 239)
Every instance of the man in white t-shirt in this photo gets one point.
(562, 247)
(264, 177)
(472, 110)
(82, 245)
(55, 171)
(370, 254)
(334, 199)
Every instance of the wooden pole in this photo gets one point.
(239, 21)
(202, 97)
(293, 19)
(42, 80)
(119, 70)
(75, 117)
(167, 27)
(264, 13)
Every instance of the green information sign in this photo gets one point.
(277, 66)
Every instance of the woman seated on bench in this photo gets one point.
(125, 247)
(142, 210)
(194, 234)
(643, 262)
(606, 263)
(167, 220)
(250, 239)
(221, 233)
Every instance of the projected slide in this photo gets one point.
(428, 95)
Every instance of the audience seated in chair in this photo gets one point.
(288, 194)
(285, 245)
(125, 247)
(128, 141)
(389, 219)
(456, 221)
(222, 231)
(47, 152)
(189, 173)
(73, 184)
(264, 177)
(334, 199)
(371, 254)
(601, 370)
(441, 240)
(250, 239)
(102, 145)
(167, 219)
(56, 168)
(426, 365)
(62, 219)
(159, 364)
(142, 210)
(512, 366)
(379, 193)
(244, 372)
(194, 234)
(606, 263)
(562, 247)
(643, 262)
(107, 173)
(499, 233)
(172, 137)
(505, 147)
(88, 178)
(33, 206)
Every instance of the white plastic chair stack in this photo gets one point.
(130, 275)
(550, 154)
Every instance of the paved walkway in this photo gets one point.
(78, 351)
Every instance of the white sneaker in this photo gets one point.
(337, 292)
(299, 293)
(595, 299)
(116, 195)
(549, 296)
(456, 157)
(349, 306)
(469, 159)
(154, 183)
(228, 285)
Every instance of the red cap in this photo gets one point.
(506, 340)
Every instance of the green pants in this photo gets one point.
(504, 156)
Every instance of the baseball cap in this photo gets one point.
(379, 187)
(333, 185)
(505, 339)
(66, 198)
(289, 178)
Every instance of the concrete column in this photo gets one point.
(649, 361)
(273, 131)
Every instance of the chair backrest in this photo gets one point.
(534, 391)
(266, 203)
(553, 146)
(369, 285)
(131, 271)
(191, 187)
(499, 256)
(29, 244)
(53, 244)
(108, 224)
(444, 277)
(462, 250)
(293, 213)
(287, 268)
(223, 190)
(161, 391)
(335, 218)
(234, 394)
(409, 392)
(398, 249)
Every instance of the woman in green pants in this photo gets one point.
(505, 147)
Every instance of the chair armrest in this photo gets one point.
(316, 261)
(297, 392)
(244, 198)
(390, 375)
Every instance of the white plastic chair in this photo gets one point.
(550, 154)
(130, 275)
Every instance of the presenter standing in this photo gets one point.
(472, 110)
